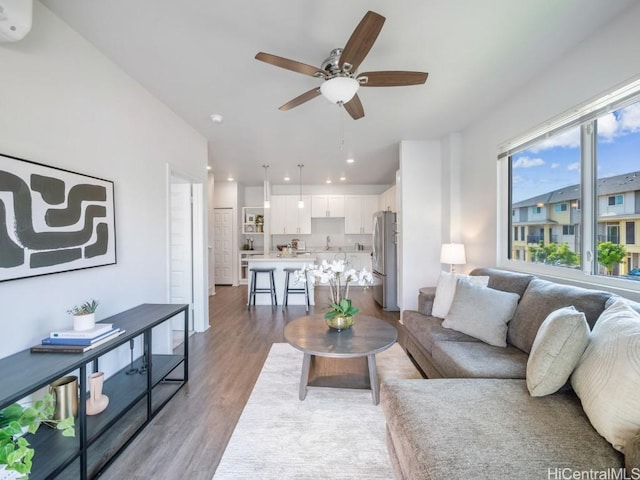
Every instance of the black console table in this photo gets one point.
(133, 399)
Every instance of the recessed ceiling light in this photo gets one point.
(215, 118)
(229, 179)
(350, 160)
(342, 179)
(286, 179)
(208, 167)
(328, 181)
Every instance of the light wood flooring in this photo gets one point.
(188, 437)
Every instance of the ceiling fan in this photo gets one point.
(339, 70)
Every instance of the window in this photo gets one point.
(616, 200)
(592, 154)
(630, 233)
(515, 233)
(560, 207)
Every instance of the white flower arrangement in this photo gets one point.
(338, 277)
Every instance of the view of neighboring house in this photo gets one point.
(555, 217)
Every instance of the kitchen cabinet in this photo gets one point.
(359, 210)
(133, 399)
(388, 200)
(360, 260)
(327, 206)
(287, 218)
(243, 270)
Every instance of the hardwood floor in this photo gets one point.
(188, 437)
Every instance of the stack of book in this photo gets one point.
(73, 341)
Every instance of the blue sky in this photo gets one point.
(555, 162)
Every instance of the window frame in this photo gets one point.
(584, 115)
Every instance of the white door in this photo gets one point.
(223, 254)
(181, 244)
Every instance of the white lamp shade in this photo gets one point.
(453, 254)
(339, 89)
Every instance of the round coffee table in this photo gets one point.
(368, 336)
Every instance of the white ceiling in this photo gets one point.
(197, 56)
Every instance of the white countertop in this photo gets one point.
(282, 258)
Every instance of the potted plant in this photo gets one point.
(341, 311)
(84, 317)
(16, 453)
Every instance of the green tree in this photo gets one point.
(610, 254)
(554, 254)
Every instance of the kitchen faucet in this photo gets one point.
(328, 242)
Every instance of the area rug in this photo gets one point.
(334, 433)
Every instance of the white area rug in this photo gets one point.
(333, 434)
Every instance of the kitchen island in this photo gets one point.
(280, 263)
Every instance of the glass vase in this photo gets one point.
(340, 322)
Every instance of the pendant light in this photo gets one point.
(267, 193)
(300, 202)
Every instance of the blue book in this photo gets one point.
(78, 341)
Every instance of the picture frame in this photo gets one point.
(53, 220)
(251, 218)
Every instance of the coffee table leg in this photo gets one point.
(373, 379)
(304, 376)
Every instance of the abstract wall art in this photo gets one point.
(53, 220)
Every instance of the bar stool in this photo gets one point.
(254, 289)
(293, 291)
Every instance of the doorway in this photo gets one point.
(223, 241)
(181, 247)
(186, 267)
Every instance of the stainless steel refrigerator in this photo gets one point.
(384, 262)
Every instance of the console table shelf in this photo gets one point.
(133, 399)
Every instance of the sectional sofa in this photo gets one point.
(502, 403)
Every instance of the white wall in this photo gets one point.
(420, 218)
(608, 58)
(64, 104)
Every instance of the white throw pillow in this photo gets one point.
(446, 289)
(607, 378)
(481, 312)
(559, 344)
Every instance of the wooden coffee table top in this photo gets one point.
(368, 336)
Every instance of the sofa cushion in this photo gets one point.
(489, 429)
(478, 360)
(607, 379)
(543, 297)
(426, 330)
(481, 312)
(446, 289)
(504, 280)
(558, 346)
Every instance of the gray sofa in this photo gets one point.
(474, 417)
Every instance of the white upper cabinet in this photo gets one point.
(388, 200)
(327, 206)
(359, 210)
(287, 218)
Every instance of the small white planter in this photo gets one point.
(84, 322)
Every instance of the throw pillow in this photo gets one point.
(481, 312)
(446, 289)
(607, 379)
(556, 350)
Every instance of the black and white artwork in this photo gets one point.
(53, 220)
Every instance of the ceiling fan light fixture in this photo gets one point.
(339, 89)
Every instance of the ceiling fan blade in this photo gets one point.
(361, 41)
(391, 79)
(300, 99)
(290, 65)
(354, 107)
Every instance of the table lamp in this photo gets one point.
(453, 254)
